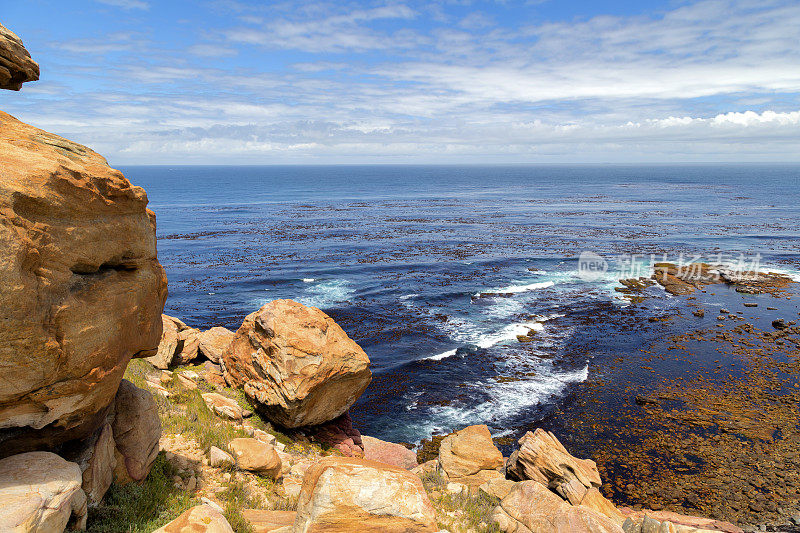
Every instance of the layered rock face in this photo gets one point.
(82, 287)
(296, 364)
(16, 65)
(542, 458)
(342, 494)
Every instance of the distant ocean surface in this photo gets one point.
(399, 256)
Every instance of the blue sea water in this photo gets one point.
(435, 270)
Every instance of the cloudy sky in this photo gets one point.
(437, 81)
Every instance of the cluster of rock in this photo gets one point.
(82, 294)
(687, 278)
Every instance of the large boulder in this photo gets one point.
(296, 364)
(16, 65)
(542, 458)
(389, 453)
(137, 430)
(268, 521)
(198, 519)
(98, 461)
(179, 344)
(40, 492)
(469, 456)
(82, 287)
(214, 342)
(344, 494)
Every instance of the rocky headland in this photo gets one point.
(115, 417)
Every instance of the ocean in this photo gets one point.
(436, 270)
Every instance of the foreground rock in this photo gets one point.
(542, 458)
(469, 457)
(40, 492)
(82, 287)
(199, 519)
(179, 344)
(256, 456)
(341, 494)
(269, 521)
(296, 364)
(16, 65)
(214, 342)
(136, 429)
(389, 453)
(531, 508)
(98, 463)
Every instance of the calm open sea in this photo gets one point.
(399, 255)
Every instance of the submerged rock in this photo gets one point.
(82, 292)
(16, 65)
(343, 494)
(296, 364)
(40, 492)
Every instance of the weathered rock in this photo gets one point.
(531, 507)
(595, 500)
(469, 456)
(214, 341)
(223, 406)
(297, 365)
(99, 471)
(389, 453)
(268, 521)
(16, 65)
(343, 494)
(40, 492)
(136, 429)
(499, 487)
(542, 458)
(179, 344)
(218, 458)
(682, 521)
(256, 456)
(198, 519)
(339, 434)
(82, 288)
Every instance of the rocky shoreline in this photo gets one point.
(116, 417)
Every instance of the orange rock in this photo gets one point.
(214, 341)
(198, 519)
(82, 291)
(268, 521)
(256, 456)
(296, 364)
(345, 494)
(469, 456)
(542, 458)
(16, 65)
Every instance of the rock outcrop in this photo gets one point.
(542, 458)
(340, 435)
(16, 65)
(40, 492)
(198, 519)
(296, 364)
(136, 429)
(82, 287)
(214, 342)
(346, 494)
(389, 453)
(179, 344)
(469, 457)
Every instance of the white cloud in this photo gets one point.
(126, 4)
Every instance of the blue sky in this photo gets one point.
(540, 81)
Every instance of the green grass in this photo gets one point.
(141, 507)
(476, 511)
(136, 372)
